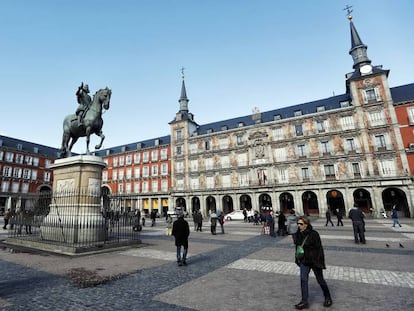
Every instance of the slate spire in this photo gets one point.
(358, 49)
(183, 99)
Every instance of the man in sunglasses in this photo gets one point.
(312, 259)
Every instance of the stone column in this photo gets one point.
(75, 212)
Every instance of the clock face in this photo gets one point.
(365, 69)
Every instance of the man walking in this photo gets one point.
(181, 231)
(394, 216)
(357, 217)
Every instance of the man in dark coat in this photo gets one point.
(181, 231)
(358, 223)
(313, 259)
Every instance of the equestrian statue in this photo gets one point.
(87, 120)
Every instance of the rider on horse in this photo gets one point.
(84, 101)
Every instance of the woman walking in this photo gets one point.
(312, 258)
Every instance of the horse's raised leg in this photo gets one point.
(102, 136)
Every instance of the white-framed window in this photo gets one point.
(239, 140)
(164, 169)
(154, 155)
(128, 159)
(350, 144)
(15, 186)
(298, 129)
(26, 173)
(35, 161)
(9, 156)
(209, 163)
(145, 171)
(278, 133)
(46, 176)
(137, 172)
(19, 158)
(114, 175)
(145, 187)
(17, 172)
(207, 145)
(164, 185)
(298, 113)
(376, 118)
(164, 154)
(410, 113)
(25, 187)
(121, 174)
(34, 174)
(210, 182)
(105, 176)
(242, 159)
(154, 186)
(179, 167)
(121, 188)
(380, 141)
(244, 179)
(356, 169)
(5, 185)
(121, 160)
(180, 184)
(137, 157)
(224, 143)
(115, 161)
(179, 134)
(347, 123)
(305, 173)
(371, 95)
(154, 170)
(194, 183)
(225, 161)
(194, 165)
(178, 150)
(301, 150)
(387, 167)
(282, 175)
(1, 155)
(325, 147)
(145, 157)
(322, 125)
(7, 171)
(136, 187)
(129, 173)
(329, 170)
(225, 181)
(280, 154)
(127, 188)
(320, 108)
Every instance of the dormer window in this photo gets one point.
(344, 104)
(298, 113)
(240, 124)
(209, 131)
(224, 128)
(320, 108)
(277, 117)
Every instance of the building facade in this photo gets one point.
(139, 174)
(24, 169)
(327, 154)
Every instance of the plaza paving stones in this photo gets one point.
(240, 270)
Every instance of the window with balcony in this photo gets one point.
(154, 170)
(301, 150)
(137, 172)
(299, 129)
(154, 155)
(305, 174)
(380, 143)
(356, 170)
(164, 169)
(325, 147)
(128, 159)
(145, 171)
(155, 186)
(329, 171)
(164, 154)
(137, 158)
(9, 157)
(19, 158)
(350, 145)
(17, 172)
(7, 171)
(145, 157)
(179, 134)
(207, 145)
(115, 161)
(239, 140)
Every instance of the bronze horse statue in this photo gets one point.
(92, 123)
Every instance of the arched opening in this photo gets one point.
(195, 204)
(335, 202)
(245, 202)
(265, 202)
(395, 196)
(310, 203)
(227, 204)
(210, 204)
(180, 202)
(362, 198)
(286, 203)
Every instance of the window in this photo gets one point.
(1, 155)
(344, 104)
(154, 170)
(297, 113)
(155, 186)
(178, 134)
(145, 187)
(154, 155)
(320, 108)
(325, 147)
(178, 150)
(136, 187)
(301, 150)
(48, 163)
(34, 174)
(240, 124)
(410, 112)
(114, 175)
(321, 126)
(9, 156)
(114, 161)
(128, 188)
(15, 187)
(239, 140)
(209, 131)
(347, 123)
(380, 141)
(164, 154)
(105, 176)
(128, 159)
(120, 188)
(355, 169)
(25, 187)
(224, 128)
(277, 117)
(305, 173)
(7, 171)
(282, 175)
(164, 169)
(329, 171)
(280, 154)
(121, 174)
(26, 173)
(121, 161)
(278, 133)
(46, 176)
(129, 173)
(370, 95)
(387, 167)
(145, 157)
(17, 172)
(145, 171)
(164, 185)
(207, 145)
(350, 144)
(376, 118)
(19, 158)
(180, 167)
(137, 157)
(5, 185)
(224, 143)
(298, 130)
(136, 172)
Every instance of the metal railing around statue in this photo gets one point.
(80, 220)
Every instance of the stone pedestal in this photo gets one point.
(75, 212)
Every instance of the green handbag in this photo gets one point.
(300, 252)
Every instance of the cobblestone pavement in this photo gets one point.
(240, 270)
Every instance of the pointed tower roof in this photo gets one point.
(358, 49)
(183, 99)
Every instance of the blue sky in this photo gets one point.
(238, 54)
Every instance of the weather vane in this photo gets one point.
(182, 72)
(349, 11)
